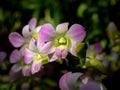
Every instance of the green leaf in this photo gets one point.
(104, 43)
(95, 19)
(81, 52)
(4, 85)
(81, 9)
(97, 64)
(86, 65)
(50, 82)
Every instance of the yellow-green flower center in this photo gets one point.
(40, 58)
(35, 35)
(62, 42)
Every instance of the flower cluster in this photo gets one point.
(42, 44)
(39, 45)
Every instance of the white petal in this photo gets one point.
(25, 31)
(62, 28)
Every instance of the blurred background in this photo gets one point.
(94, 15)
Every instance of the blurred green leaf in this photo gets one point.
(113, 66)
(50, 82)
(95, 32)
(1, 15)
(31, 4)
(103, 43)
(81, 9)
(116, 48)
(81, 52)
(4, 86)
(97, 64)
(95, 19)
(86, 65)
(113, 2)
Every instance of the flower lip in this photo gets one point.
(62, 42)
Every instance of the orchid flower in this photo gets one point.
(78, 81)
(61, 41)
(29, 31)
(35, 56)
(17, 59)
(69, 81)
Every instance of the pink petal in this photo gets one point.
(62, 28)
(77, 32)
(28, 56)
(16, 67)
(25, 31)
(16, 39)
(26, 70)
(72, 80)
(32, 23)
(2, 55)
(63, 81)
(73, 48)
(64, 53)
(32, 45)
(48, 48)
(91, 86)
(15, 56)
(61, 53)
(35, 67)
(22, 50)
(40, 43)
(47, 32)
(58, 53)
(54, 57)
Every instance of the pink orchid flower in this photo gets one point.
(79, 81)
(29, 31)
(61, 41)
(35, 55)
(16, 59)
